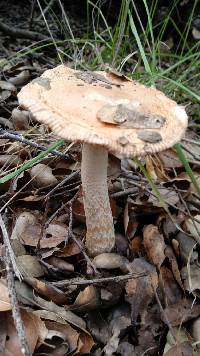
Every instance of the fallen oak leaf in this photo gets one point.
(35, 332)
(154, 245)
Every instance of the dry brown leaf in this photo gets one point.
(20, 79)
(4, 296)
(182, 349)
(140, 291)
(60, 264)
(135, 244)
(170, 159)
(190, 275)
(28, 230)
(10, 160)
(20, 119)
(35, 332)
(174, 266)
(71, 249)
(154, 245)
(69, 334)
(187, 247)
(66, 315)
(111, 261)
(88, 299)
(29, 266)
(171, 290)
(43, 176)
(181, 312)
(48, 291)
(194, 227)
(85, 341)
(195, 330)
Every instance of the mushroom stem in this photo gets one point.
(100, 230)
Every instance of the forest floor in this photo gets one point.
(141, 299)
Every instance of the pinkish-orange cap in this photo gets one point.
(105, 109)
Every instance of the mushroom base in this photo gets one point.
(100, 230)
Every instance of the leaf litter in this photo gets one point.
(45, 219)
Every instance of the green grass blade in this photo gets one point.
(139, 43)
(188, 169)
(32, 162)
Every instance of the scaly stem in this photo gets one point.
(100, 230)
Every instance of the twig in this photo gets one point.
(15, 306)
(21, 33)
(82, 281)
(67, 179)
(16, 137)
(163, 313)
(11, 268)
(9, 249)
(123, 193)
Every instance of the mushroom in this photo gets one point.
(106, 112)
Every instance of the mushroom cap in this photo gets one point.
(106, 109)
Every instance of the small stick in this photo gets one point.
(67, 179)
(21, 33)
(20, 138)
(163, 313)
(82, 281)
(15, 307)
(12, 268)
(6, 241)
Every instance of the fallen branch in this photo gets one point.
(82, 281)
(21, 33)
(16, 137)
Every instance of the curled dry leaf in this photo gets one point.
(21, 78)
(111, 261)
(29, 266)
(119, 321)
(195, 330)
(35, 332)
(187, 247)
(69, 334)
(28, 230)
(24, 221)
(61, 312)
(60, 264)
(85, 341)
(140, 291)
(169, 253)
(181, 312)
(48, 291)
(6, 123)
(43, 176)
(10, 160)
(4, 85)
(4, 296)
(20, 119)
(190, 275)
(154, 245)
(194, 227)
(181, 346)
(167, 194)
(170, 159)
(71, 249)
(171, 290)
(88, 299)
